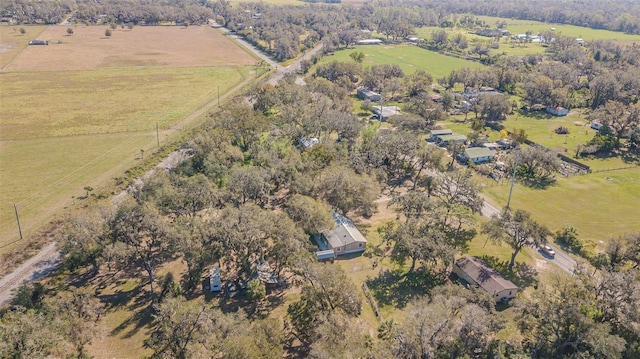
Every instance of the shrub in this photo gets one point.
(568, 237)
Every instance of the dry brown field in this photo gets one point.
(143, 46)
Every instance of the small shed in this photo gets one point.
(557, 111)
(214, 280)
(39, 42)
(477, 154)
(455, 138)
(366, 94)
(434, 134)
(326, 256)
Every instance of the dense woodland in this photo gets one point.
(249, 191)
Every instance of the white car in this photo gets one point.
(548, 251)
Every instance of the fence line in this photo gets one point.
(615, 168)
(372, 301)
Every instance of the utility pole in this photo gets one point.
(157, 134)
(15, 208)
(513, 181)
(218, 95)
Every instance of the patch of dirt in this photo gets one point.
(146, 46)
(541, 264)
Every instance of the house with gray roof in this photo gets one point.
(344, 238)
(477, 272)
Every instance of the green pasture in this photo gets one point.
(600, 205)
(409, 57)
(588, 34)
(13, 41)
(50, 104)
(63, 131)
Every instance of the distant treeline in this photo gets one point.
(616, 15)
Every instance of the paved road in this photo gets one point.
(561, 259)
(280, 71)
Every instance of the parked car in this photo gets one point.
(548, 251)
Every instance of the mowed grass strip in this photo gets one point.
(410, 58)
(49, 104)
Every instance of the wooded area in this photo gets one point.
(252, 192)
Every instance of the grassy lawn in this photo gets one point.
(600, 205)
(60, 131)
(409, 57)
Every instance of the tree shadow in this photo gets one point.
(522, 274)
(540, 183)
(398, 288)
(140, 319)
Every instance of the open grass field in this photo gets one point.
(83, 123)
(522, 26)
(600, 205)
(409, 57)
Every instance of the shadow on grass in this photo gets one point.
(398, 288)
(522, 274)
(539, 182)
(140, 319)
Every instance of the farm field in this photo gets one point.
(64, 128)
(409, 57)
(12, 41)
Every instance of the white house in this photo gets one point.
(369, 42)
(477, 154)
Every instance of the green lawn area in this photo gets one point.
(588, 34)
(409, 57)
(62, 131)
(600, 205)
